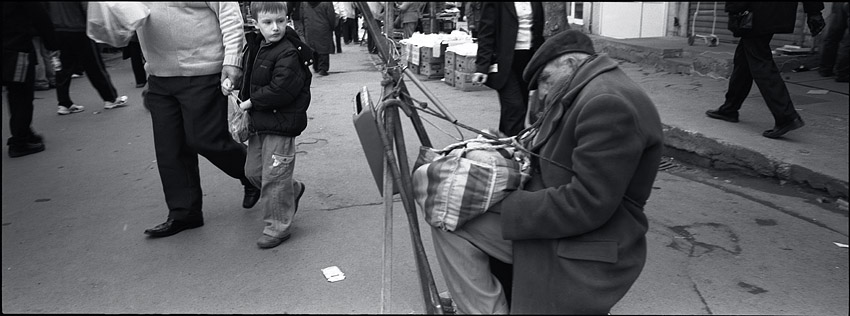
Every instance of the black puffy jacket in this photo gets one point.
(277, 80)
(772, 17)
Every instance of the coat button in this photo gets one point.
(299, 47)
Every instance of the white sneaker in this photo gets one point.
(65, 110)
(119, 102)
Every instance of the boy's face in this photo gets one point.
(272, 25)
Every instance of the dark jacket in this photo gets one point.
(497, 31)
(579, 237)
(277, 80)
(319, 21)
(21, 22)
(68, 16)
(772, 17)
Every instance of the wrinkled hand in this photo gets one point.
(230, 72)
(226, 86)
(479, 78)
(816, 23)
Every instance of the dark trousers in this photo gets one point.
(77, 50)
(189, 116)
(753, 61)
(349, 30)
(338, 36)
(137, 61)
(323, 62)
(19, 96)
(835, 52)
(513, 97)
(370, 42)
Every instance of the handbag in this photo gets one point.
(15, 66)
(237, 119)
(460, 182)
(741, 22)
(115, 23)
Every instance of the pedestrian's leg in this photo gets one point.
(40, 74)
(254, 160)
(177, 162)
(323, 64)
(278, 187)
(464, 255)
(19, 97)
(69, 57)
(204, 111)
(138, 64)
(740, 81)
(95, 69)
(835, 28)
(513, 110)
(767, 79)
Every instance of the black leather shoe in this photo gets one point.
(252, 195)
(778, 131)
(171, 227)
(716, 114)
(24, 149)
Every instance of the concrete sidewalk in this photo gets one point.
(685, 81)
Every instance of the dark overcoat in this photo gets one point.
(319, 23)
(497, 32)
(579, 237)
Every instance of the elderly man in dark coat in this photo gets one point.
(319, 21)
(575, 233)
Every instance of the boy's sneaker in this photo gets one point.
(119, 102)
(65, 110)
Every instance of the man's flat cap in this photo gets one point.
(564, 42)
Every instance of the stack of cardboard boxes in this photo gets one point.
(459, 65)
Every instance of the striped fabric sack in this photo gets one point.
(461, 181)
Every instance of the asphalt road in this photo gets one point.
(73, 217)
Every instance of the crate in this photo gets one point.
(449, 76)
(465, 63)
(463, 82)
(431, 71)
(413, 68)
(449, 60)
(426, 55)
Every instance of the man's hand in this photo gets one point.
(230, 72)
(246, 104)
(816, 23)
(479, 78)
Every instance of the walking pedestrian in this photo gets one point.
(191, 49)
(410, 13)
(79, 51)
(575, 233)
(753, 61)
(19, 60)
(835, 50)
(348, 21)
(319, 23)
(509, 34)
(276, 94)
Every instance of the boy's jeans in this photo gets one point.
(269, 166)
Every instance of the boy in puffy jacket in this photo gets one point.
(276, 93)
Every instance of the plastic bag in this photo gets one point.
(114, 23)
(237, 120)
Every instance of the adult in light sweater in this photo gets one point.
(192, 49)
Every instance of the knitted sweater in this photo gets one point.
(191, 38)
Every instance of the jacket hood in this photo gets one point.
(558, 103)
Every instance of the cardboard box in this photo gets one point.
(431, 71)
(463, 82)
(429, 56)
(449, 76)
(449, 61)
(465, 63)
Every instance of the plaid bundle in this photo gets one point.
(460, 182)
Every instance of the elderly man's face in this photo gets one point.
(555, 73)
